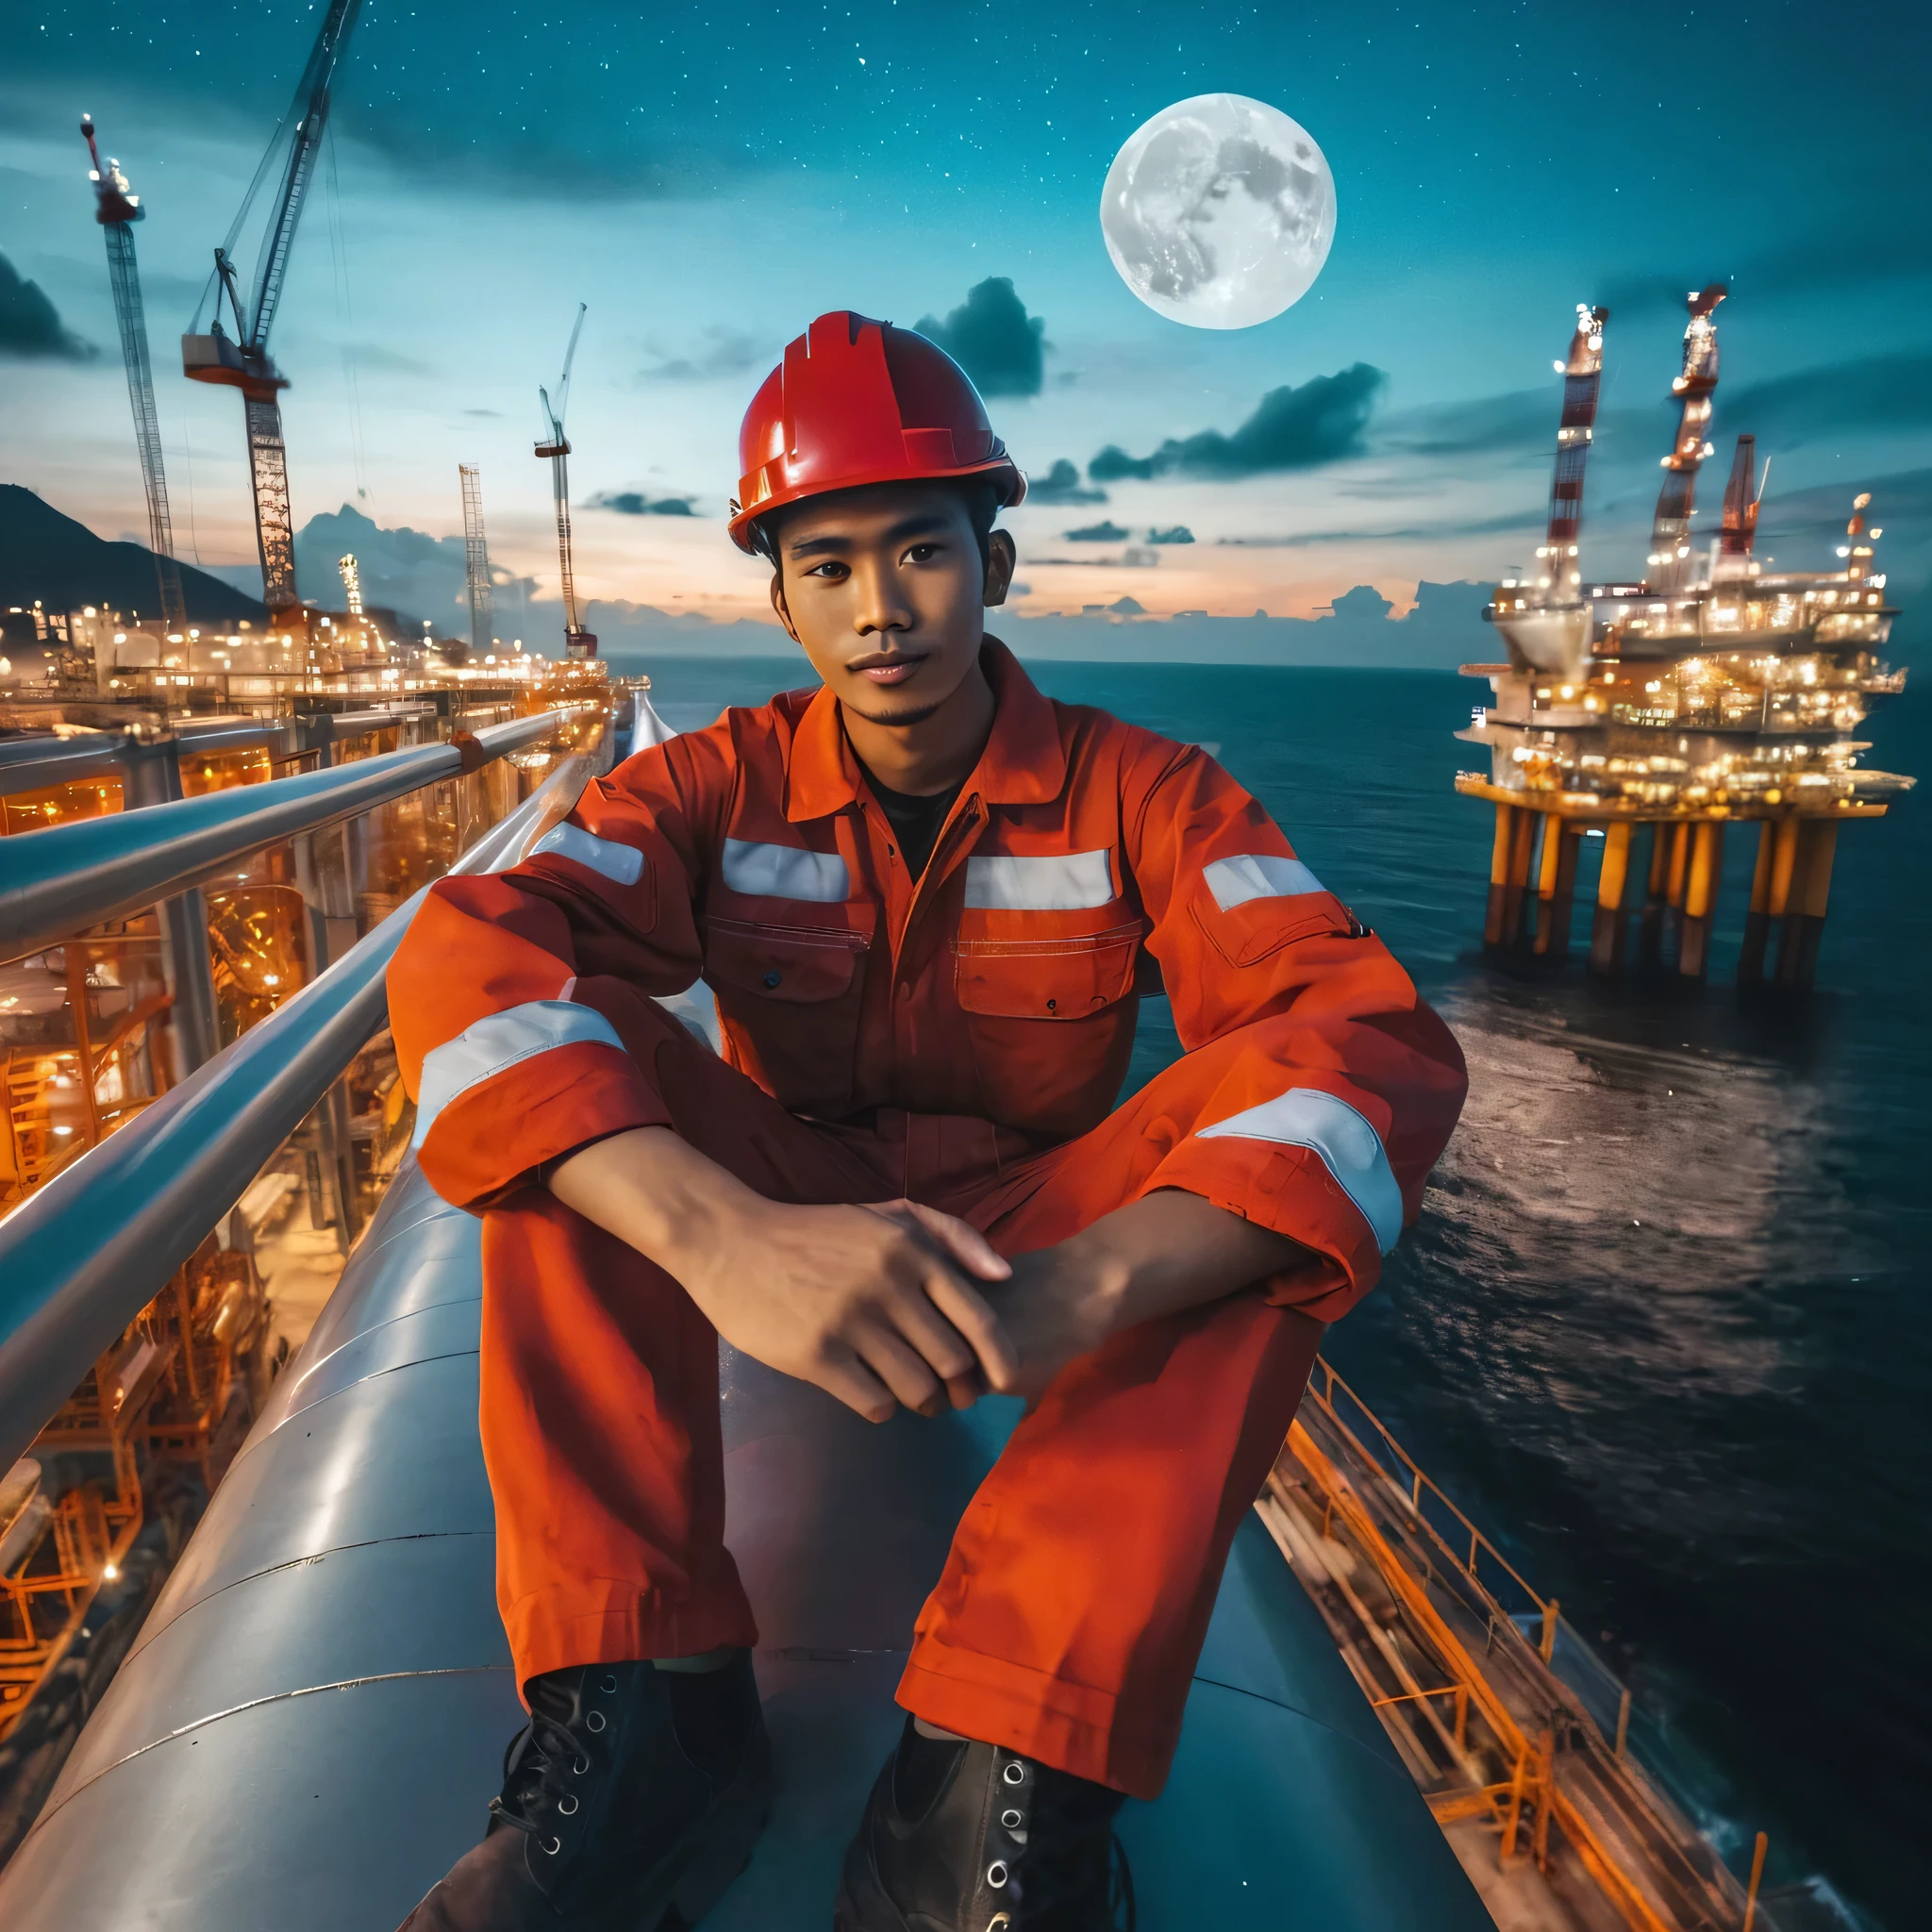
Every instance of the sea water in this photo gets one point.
(1663, 1329)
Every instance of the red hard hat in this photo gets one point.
(856, 401)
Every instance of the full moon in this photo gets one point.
(1219, 211)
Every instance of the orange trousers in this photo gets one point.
(1070, 1615)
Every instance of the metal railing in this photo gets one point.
(58, 882)
(82, 1256)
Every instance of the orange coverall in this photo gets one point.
(960, 1040)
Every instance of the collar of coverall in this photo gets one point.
(1023, 762)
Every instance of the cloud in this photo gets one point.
(32, 325)
(994, 340)
(724, 352)
(1522, 420)
(1873, 392)
(380, 356)
(497, 413)
(1102, 532)
(1178, 534)
(1061, 484)
(1292, 429)
(1525, 519)
(634, 503)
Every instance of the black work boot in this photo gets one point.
(972, 1838)
(630, 1801)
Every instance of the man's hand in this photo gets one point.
(875, 1304)
(1167, 1252)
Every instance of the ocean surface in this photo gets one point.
(1664, 1329)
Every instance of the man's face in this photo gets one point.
(883, 589)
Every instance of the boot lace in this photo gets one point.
(544, 1768)
(1068, 1871)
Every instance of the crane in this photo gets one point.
(117, 208)
(477, 558)
(1668, 562)
(242, 361)
(578, 642)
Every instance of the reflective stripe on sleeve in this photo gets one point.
(623, 864)
(1258, 876)
(1060, 882)
(785, 872)
(498, 1040)
(1350, 1148)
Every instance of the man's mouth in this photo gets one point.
(893, 669)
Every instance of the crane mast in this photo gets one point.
(241, 361)
(476, 559)
(117, 208)
(578, 642)
(1669, 563)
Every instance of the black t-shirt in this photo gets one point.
(915, 821)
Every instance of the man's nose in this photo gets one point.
(880, 605)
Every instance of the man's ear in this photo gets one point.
(1002, 560)
(779, 606)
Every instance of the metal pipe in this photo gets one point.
(82, 1256)
(57, 883)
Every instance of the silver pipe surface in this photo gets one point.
(81, 1258)
(57, 883)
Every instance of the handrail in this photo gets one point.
(84, 1255)
(61, 881)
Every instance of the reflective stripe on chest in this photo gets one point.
(1056, 882)
(784, 871)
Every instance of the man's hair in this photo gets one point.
(982, 496)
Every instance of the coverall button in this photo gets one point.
(772, 978)
(904, 989)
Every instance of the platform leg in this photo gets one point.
(1651, 920)
(1700, 897)
(1557, 887)
(1608, 932)
(1516, 885)
(1803, 927)
(1757, 919)
(1499, 875)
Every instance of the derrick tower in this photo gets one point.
(476, 559)
(117, 208)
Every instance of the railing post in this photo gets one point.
(1622, 1720)
(1757, 1879)
(1549, 1642)
(153, 776)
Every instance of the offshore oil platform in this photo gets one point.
(1652, 714)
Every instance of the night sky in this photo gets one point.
(708, 179)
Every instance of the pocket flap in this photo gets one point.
(781, 962)
(1249, 932)
(1065, 979)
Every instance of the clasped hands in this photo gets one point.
(895, 1303)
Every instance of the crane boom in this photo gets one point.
(578, 642)
(312, 99)
(117, 208)
(243, 362)
(1668, 562)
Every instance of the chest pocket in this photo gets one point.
(1045, 996)
(790, 999)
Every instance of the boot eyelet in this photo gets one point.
(578, 1766)
(567, 1805)
(1015, 1774)
(1012, 1820)
(999, 1922)
(595, 1722)
(552, 1847)
(608, 1684)
(996, 1873)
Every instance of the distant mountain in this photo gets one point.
(62, 564)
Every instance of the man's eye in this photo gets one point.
(923, 553)
(828, 568)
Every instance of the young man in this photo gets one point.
(926, 898)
